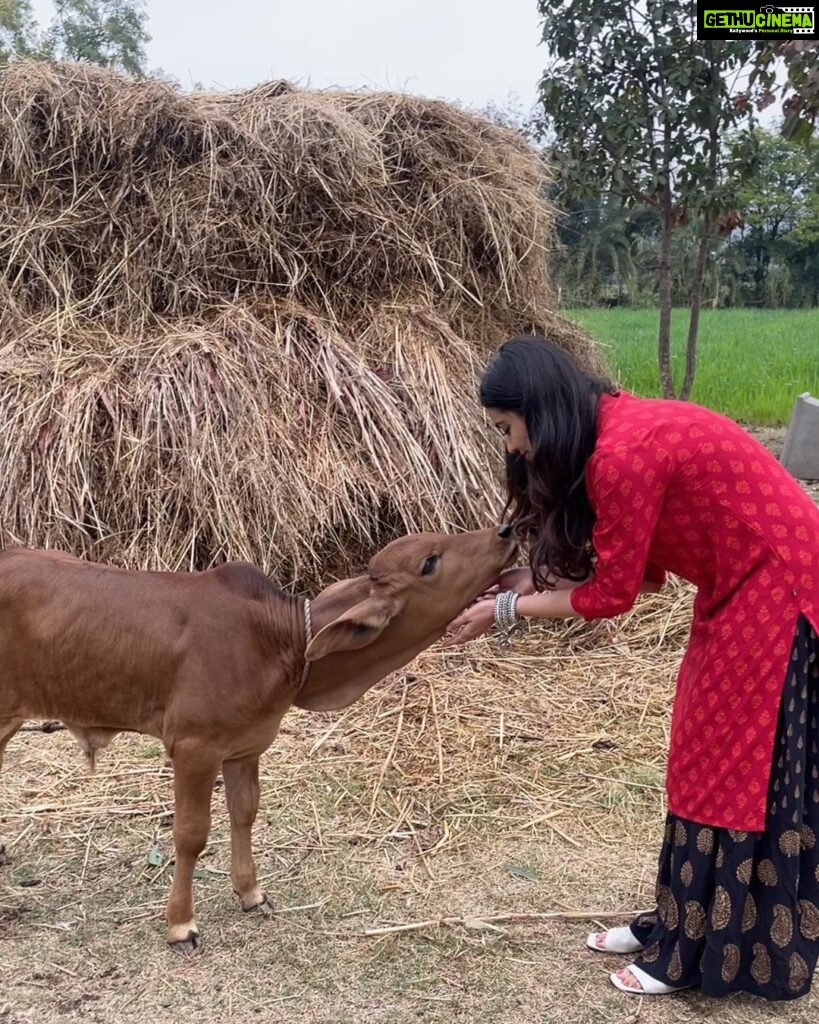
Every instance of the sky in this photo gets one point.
(475, 51)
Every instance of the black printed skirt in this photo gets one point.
(739, 911)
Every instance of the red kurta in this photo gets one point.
(677, 487)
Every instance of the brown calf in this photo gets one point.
(209, 663)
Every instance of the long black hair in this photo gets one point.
(546, 493)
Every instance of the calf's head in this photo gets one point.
(414, 588)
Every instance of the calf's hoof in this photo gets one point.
(187, 947)
(265, 908)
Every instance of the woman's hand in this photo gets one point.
(517, 579)
(476, 620)
(510, 579)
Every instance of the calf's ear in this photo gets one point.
(354, 629)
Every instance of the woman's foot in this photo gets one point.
(627, 978)
(636, 982)
(615, 940)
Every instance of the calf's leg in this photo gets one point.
(242, 794)
(195, 770)
(8, 727)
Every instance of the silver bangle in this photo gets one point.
(506, 615)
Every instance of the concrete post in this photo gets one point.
(800, 453)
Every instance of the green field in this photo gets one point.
(751, 364)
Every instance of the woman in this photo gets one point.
(610, 491)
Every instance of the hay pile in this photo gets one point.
(248, 324)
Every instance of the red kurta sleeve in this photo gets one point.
(626, 487)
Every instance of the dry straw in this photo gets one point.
(249, 324)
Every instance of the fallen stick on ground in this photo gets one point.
(489, 920)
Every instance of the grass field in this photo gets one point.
(751, 363)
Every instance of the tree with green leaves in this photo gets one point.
(111, 33)
(799, 93)
(638, 109)
(18, 30)
(601, 243)
(780, 209)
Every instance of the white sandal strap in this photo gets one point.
(648, 986)
(617, 940)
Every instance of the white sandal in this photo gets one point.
(648, 986)
(617, 940)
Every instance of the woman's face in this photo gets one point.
(512, 427)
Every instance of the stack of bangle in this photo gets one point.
(506, 616)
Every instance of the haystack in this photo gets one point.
(249, 324)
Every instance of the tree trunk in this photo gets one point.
(664, 339)
(696, 302)
(705, 233)
(759, 273)
(715, 300)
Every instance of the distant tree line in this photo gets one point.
(763, 250)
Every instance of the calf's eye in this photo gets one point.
(429, 565)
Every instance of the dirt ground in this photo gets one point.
(773, 438)
(525, 780)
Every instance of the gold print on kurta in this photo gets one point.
(687, 873)
(667, 906)
(809, 919)
(808, 838)
(749, 915)
(790, 843)
(680, 834)
(675, 965)
(705, 841)
(694, 920)
(744, 871)
(761, 965)
(730, 962)
(720, 909)
(799, 974)
(650, 955)
(766, 872)
(782, 927)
